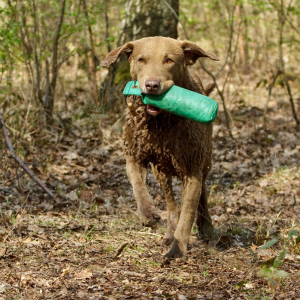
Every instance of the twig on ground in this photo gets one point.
(150, 233)
(134, 274)
(121, 248)
(8, 191)
(20, 162)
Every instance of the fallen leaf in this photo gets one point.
(3, 251)
(29, 241)
(81, 294)
(35, 228)
(72, 196)
(86, 195)
(185, 274)
(84, 274)
(70, 155)
(65, 272)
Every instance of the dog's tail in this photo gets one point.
(209, 88)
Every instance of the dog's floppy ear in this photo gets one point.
(192, 52)
(112, 56)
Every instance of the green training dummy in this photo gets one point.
(178, 101)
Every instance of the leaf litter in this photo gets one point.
(89, 244)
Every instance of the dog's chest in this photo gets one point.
(166, 141)
(147, 141)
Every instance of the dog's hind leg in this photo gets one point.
(137, 177)
(204, 224)
(172, 209)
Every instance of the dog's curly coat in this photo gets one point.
(173, 145)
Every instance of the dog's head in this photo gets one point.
(158, 63)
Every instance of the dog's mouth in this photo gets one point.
(153, 111)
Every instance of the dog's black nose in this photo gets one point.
(152, 85)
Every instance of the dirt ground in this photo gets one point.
(88, 243)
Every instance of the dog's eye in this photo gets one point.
(141, 60)
(169, 61)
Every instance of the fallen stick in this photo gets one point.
(121, 248)
(20, 162)
(134, 274)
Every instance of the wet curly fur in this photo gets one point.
(174, 146)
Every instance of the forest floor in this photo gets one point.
(67, 247)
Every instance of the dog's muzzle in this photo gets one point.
(153, 111)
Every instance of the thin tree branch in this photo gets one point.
(233, 59)
(20, 162)
(55, 45)
(221, 93)
(107, 29)
(291, 98)
(286, 13)
(282, 18)
(230, 41)
(269, 95)
(222, 98)
(64, 59)
(292, 25)
(36, 60)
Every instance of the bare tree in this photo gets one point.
(230, 60)
(37, 85)
(282, 18)
(243, 37)
(51, 84)
(92, 64)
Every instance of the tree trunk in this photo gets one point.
(143, 18)
(51, 85)
(149, 18)
(243, 38)
(282, 15)
(92, 64)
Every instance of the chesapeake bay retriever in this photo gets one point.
(174, 146)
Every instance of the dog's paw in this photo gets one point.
(169, 236)
(167, 240)
(149, 217)
(177, 250)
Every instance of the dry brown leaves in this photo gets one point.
(66, 248)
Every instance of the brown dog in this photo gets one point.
(173, 145)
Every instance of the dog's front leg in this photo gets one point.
(172, 209)
(137, 177)
(191, 192)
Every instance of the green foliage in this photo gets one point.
(240, 284)
(27, 31)
(294, 239)
(271, 273)
(292, 233)
(268, 244)
(269, 268)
